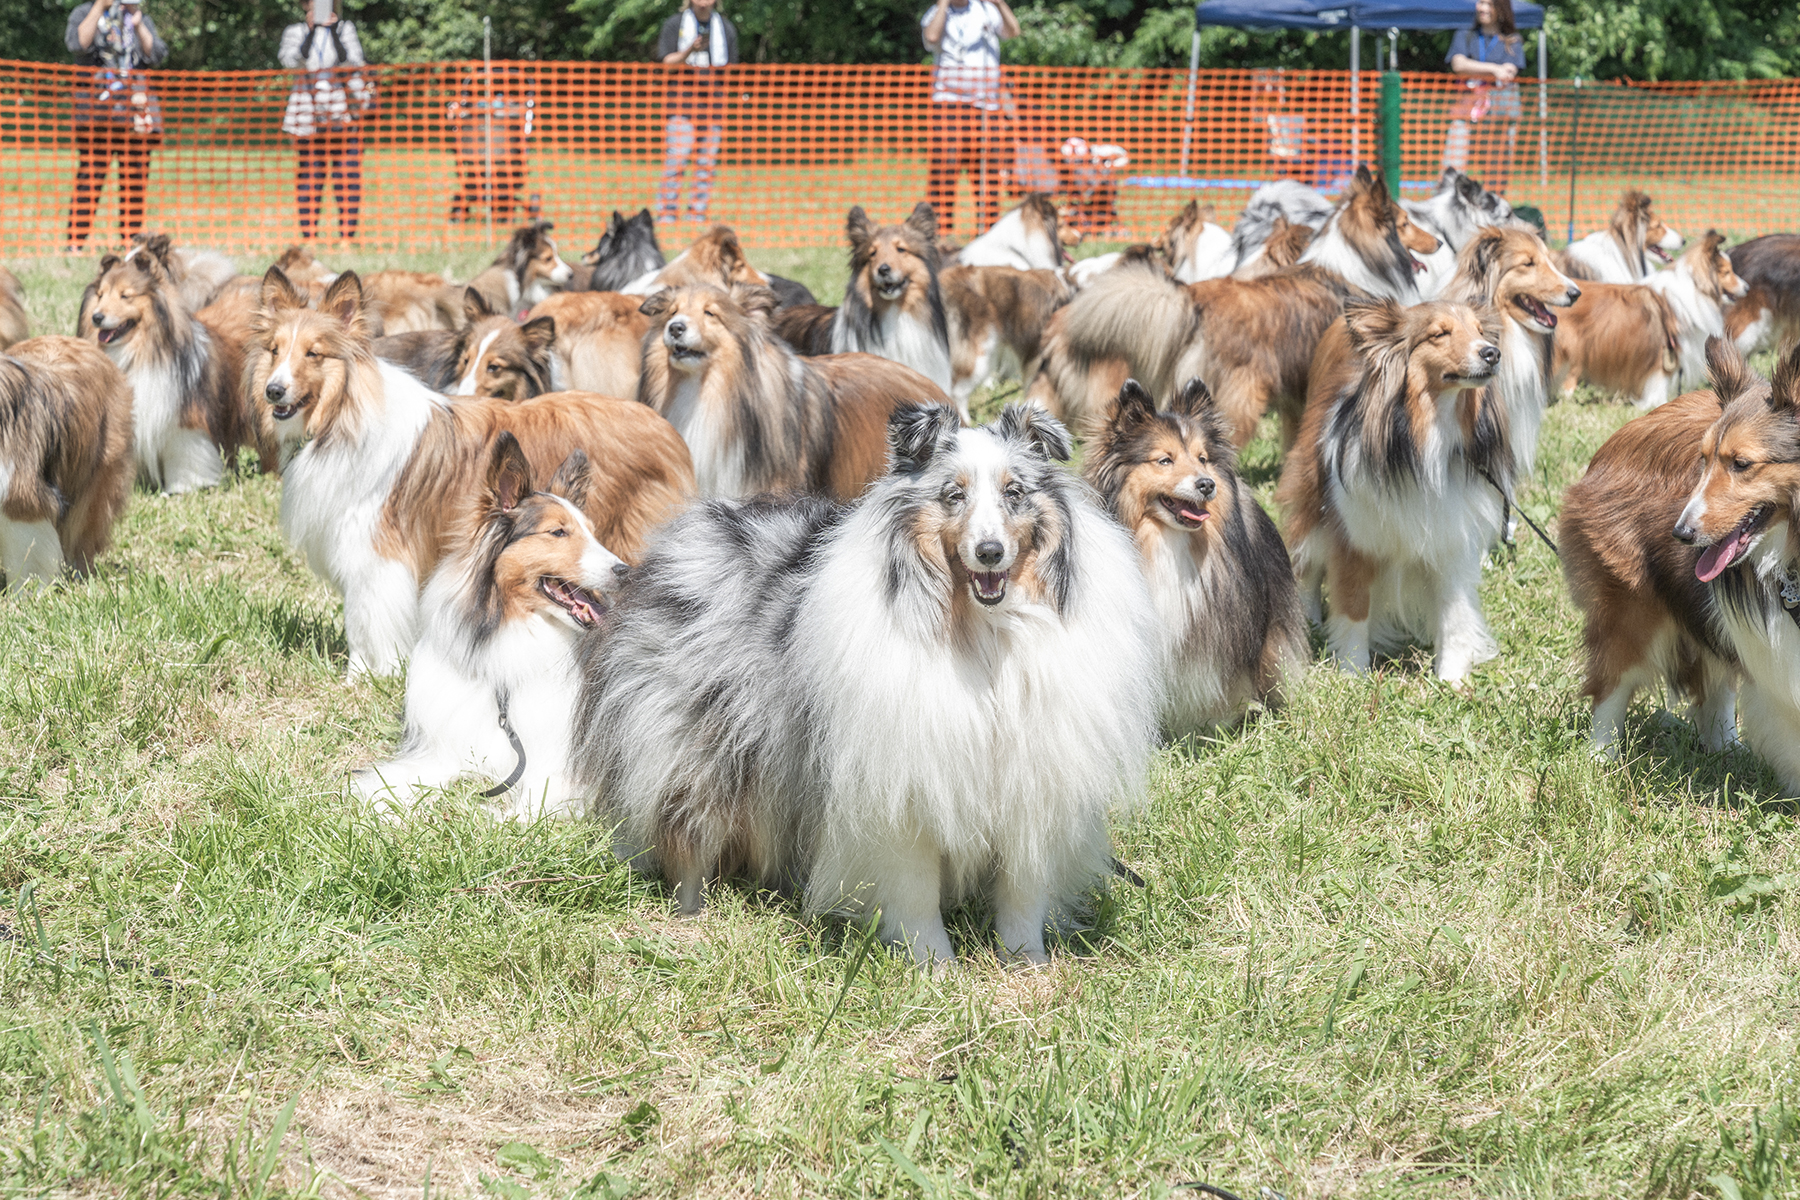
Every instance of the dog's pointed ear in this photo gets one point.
(1447, 179)
(1195, 399)
(108, 262)
(755, 300)
(278, 292)
(509, 474)
(658, 302)
(1484, 250)
(917, 433)
(1726, 371)
(540, 334)
(858, 228)
(1784, 389)
(1363, 178)
(1468, 189)
(344, 300)
(923, 221)
(1370, 322)
(1035, 427)
(475, 306)
(1133, 406)
(571, 479)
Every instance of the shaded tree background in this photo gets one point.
(1637, 39)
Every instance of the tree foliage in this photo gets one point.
(1640, 39)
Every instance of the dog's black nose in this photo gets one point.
(1207, 485)
(98, 320)
(1490, 355)
(275, 391)
(1685, 533)
(1574, 293)
(989, 553)
(884, 270)
(677, 327)
(621, 570)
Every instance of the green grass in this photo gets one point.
(1395, 940)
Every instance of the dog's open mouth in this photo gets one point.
(685, 356)
(284, 412)
(1187, 514)
(1537, 310)
(1718, 557)
(578, 602)
(989, 586)
(1657, 250)
(109, 336)
(891, 291)
(1418, 265)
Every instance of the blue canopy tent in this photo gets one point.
(1350, 16)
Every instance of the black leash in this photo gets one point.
(518, 771)
(1210, 1189)
(1126, 873)
(1506, 510)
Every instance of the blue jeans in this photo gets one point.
(682, 136)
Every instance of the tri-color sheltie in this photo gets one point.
(490, 355)
(1253, 338)
(1287, 200)
(1698, 287)
(1233, 634)
(65, 456)
(757, 416)
(1455, 211)
(185, 370)
(1633, 242)
(893, 305)
(1192, 248)
(1680, 550)
(1393, 492)
(528, 270)
(490, 686)
(625, 251)
(938, 693)
(200, 274)
(1769, 314)
(381, 470)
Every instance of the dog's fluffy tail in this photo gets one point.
(1131, 316)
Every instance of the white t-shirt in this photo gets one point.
(968, 59)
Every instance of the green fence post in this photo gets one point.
(1390, 130)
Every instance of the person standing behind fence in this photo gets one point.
(117, 116)
(964, 39)
(323, 115)
(704, 40)
(1485, 123)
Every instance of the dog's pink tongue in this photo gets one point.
(1716, 557)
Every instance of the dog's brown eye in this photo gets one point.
(559, 533)
(1740, 464)
(953, 496)
(495, 368)
(1165, 461)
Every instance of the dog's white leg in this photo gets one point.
(1656, 391)
(381, 618)
(1348, 642)
(1772, 729)
(397, 784)
(190, 461)
(905, 886)
(1462, 635)
(1715, 716)
(1021, 906)
(30, 553)
(1609, 718)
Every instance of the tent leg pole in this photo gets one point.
(1355, 97)
(1187, 120)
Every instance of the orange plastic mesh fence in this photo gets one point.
(452, 154)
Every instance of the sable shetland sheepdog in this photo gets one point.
(931, 695)
(65, 456)
(527, 271)
(1679, 548)
(489, 687)
(1624, 250)
(1229, 613)
(1253, 338)
(1622, 338)
(893, 305)
(599, 343)
(758, 417)
(998, 316)
(403, 302)
(200, 274)
(1769, 314)
(15, 326)
(185, 371)
(381, 470)
(1286, 244)
(1697, 288)
(716, 258)
(491, 355)
(1192, 248)
(1387, 493)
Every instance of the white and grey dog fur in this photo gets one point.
(1458, 208)
(937, 693)
(1289, 198)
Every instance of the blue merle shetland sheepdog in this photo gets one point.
(939, 692)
